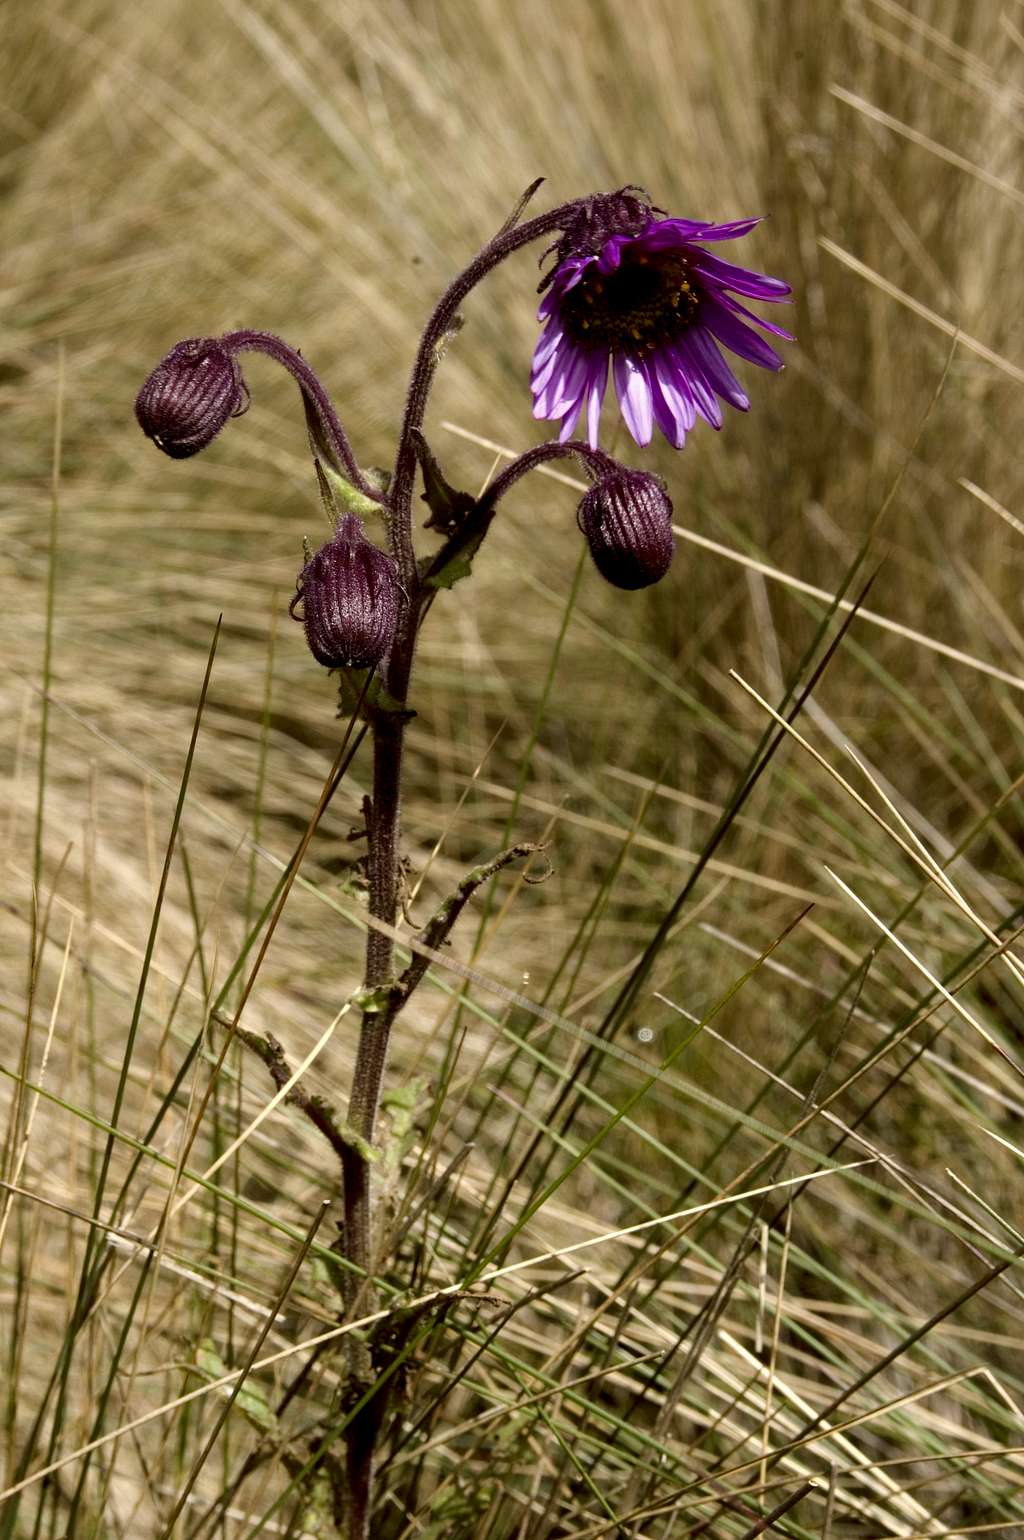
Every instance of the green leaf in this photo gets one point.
(255, 1407)
(349, 498)
(406, 1097)
(459, 565)
(363, 1147)
(209, 1361)
(373, 1001)
(399, 1107)
(317, 1522)
(250, 1400)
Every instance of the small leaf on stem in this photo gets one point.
(449, 508)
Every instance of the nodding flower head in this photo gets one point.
(350, 599)
(627, 520)
(645, 295)
(190, 395)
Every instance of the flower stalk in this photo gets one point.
(511, 238)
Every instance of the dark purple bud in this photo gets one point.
(350, 596)
(627, 519)
(189, 397)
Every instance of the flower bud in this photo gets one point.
(627, 519)
(350, 597)
(189, 397)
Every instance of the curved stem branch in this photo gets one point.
(471, 531)
(594, 460)
(331, 440)
(438, 327)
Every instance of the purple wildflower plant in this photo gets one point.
(627, 285)
(643, 293)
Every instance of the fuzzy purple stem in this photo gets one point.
(384, 820)
(503, 245)
(389, 728)
(334, 438)
(476, 524)
(594, 460)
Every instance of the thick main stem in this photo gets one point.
(383, 834)
(384, 829)
(383, 837)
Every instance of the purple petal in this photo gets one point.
(743, 279)
(634, 393)
(673, 430)
(595, 396)
(668, 404)
(675, 389)
(734, 305)
(565, 278)
(574, 277)
(565, 386)
(559, 361)
(541, 378)
(731, 231)
(702, 391)
(666, 236)
(611, 252)
(680, 229)
(547, 342)
(666, 233)
(569, 421)
(558, 365)
(717, 371)
(730, 330)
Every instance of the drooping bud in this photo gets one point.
(627, 519)
(350, 599)
(190, 395)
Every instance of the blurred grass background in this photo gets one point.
(321, 170)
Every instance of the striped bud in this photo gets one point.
(627, 520)
(189, 397)
(350, 598)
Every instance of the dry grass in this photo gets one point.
(321, 171)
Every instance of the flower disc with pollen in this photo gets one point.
(660, 307)
(645, 303)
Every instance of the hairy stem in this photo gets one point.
(384, 824)
(595, 460)
(330, 438)
(441, 323)
(384, 836)
(371, 1057)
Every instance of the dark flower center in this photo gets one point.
(646, 302)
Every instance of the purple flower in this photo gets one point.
(654, 301)
(627, 519)
(190, 395)
(350, 598)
